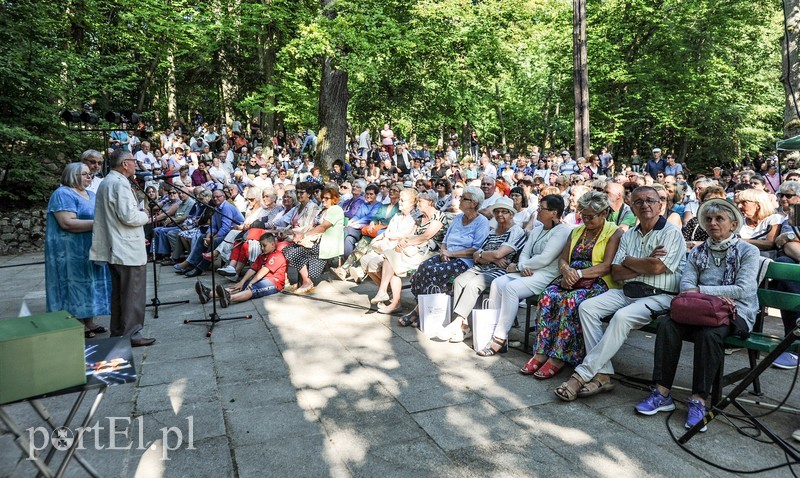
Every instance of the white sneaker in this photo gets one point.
(226, 271)
(357, 274)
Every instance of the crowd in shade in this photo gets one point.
(463, 220)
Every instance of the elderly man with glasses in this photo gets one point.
(648, 261)
(224, 217)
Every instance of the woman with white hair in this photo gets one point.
(501, 248)
(352, 204)
(761, 223)
(465, 235)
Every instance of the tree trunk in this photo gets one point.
(499, 109)
(172, 100)
(580, 78)
(146, 84)
(791, 70)
(333, 99)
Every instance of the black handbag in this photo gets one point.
(637, 289)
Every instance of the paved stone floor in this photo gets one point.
(321, 386)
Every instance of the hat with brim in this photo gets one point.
(722, 204)
(503, 203)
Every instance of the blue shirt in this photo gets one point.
(364, 214)
(472, 236)
(222, 222)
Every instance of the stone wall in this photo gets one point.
(22, 231)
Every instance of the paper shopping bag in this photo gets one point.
(483, 323)
(434, 311)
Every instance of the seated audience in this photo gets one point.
(650, 256)
(466, 233)
(501, 248)
(585, 267)
(761, 223)
(723, 266)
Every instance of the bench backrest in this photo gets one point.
(777, 299)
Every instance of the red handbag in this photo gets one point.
(704, 310)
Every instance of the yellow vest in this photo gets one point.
(599, 250)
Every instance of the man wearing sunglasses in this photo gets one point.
(94, 160)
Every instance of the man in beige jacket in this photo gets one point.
(118, 239)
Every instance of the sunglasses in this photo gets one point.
(786, 195)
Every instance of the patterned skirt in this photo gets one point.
(298, 257)
(436, 273)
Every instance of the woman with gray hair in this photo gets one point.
(352, 204)
(724, 266)
(585, 269)
(410, 251)
(74, 283)
(465, 235)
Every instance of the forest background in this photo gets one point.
(701, 78)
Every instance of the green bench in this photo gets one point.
(758, 343)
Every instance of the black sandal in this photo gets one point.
(488, 351)
(410, 319)
(88, 334)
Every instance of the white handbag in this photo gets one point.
(434, 311)
(484, 322)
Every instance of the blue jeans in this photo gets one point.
(262, 288)
(198, 248)
(312, 140)
(160, 242)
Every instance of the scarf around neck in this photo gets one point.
(728, 246)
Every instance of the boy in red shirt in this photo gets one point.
(265, 277)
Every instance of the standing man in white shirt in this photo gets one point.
(118, 240)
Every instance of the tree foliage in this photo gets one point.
(700, 77)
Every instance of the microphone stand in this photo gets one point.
(214, 316)
(155, 302)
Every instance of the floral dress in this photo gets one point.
(559, 333)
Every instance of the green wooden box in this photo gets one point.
(40, 354)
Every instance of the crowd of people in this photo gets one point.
(592, 237)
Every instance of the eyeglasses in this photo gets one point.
(663, 198)
(786, 195)
(86, 175)
(588, 217)
(648, 201)
(299, 192)
(252, 199)
(502, 211)
(94, 161)
(600, 190)
(327, 198)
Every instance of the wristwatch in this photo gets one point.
(480, 252)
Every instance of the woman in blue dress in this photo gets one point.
(74, 283)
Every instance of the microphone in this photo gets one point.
(165, 176)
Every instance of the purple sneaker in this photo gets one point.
(655, 403)
(697, 411)
(786, 361)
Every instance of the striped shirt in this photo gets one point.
(633, 243)
(514, 238)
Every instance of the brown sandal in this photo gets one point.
(595, 386)
(564, 392)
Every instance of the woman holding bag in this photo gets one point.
(585, 268)
(500, 249)
(722, 266)
(465, 235)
